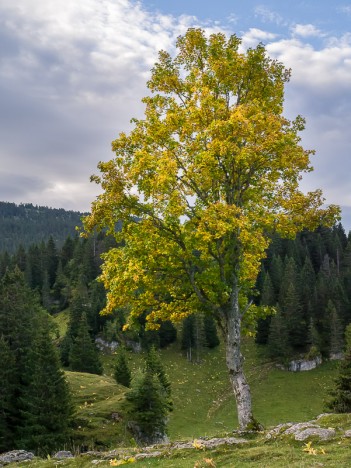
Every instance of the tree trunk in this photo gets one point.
(234, 361)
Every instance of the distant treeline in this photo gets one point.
(27, 224)
(308, 282)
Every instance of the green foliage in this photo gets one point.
(122, 373)
(278, 340)
(83, 355)
(340, 401)
(35, 410)
(210, 331)
(7, 400)
(148, 407)
(336, 332)
(216, 167)
(167, 333)
(45, 403)
(153, 364)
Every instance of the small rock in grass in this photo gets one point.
(63, 454)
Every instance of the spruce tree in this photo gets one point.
(84, 356)
(29, 370)
(340, 401)
(154, 365)
(336, 332)
(276, 269)
(210, 330)
(268, 298)
(77, 307)
(122, 373)
(45, 404)
(7, 395)
(279, 347)
(148, 408)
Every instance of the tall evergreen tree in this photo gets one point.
(78, 306)
(45, 405)
(148, 408)
(122, 372)
(83, 356)
(278, 340)
(51, 261)
(340, 395)
(7, 392)
(30, 377)
(336, 331)
(210, 330)
(276, 269)
(268, 298)
(154, 365)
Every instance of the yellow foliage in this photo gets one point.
(201, 182)
(198, 445)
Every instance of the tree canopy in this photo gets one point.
(200, 184)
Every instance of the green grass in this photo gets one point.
(258, 452)
(61, 322)
(204, 403)
(204, 406)
(96, 398)
(203, 400)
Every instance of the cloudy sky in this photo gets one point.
(72, 75)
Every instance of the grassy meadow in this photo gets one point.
(204, 407)
(203, 400)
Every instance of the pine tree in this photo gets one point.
(83, 356)
(154, 365)
(29, 372)
(289, 303)
(278, 340)
(276, 269)
(308, 283)
(336, 332)
(78, 306)
(268, 298)
(210, 330)
(45, 404)
(148, 408)
(51, 261)
(122, 373)
(7, 395)
(18, 310)
(340, 401)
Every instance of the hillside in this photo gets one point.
(202, 424)
(27, 224)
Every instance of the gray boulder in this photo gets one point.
(16, 456)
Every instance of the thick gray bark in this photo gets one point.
(234, 361)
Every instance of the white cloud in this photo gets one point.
(253, 36)
(320, 91)
(307, 30)
(72, 75)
